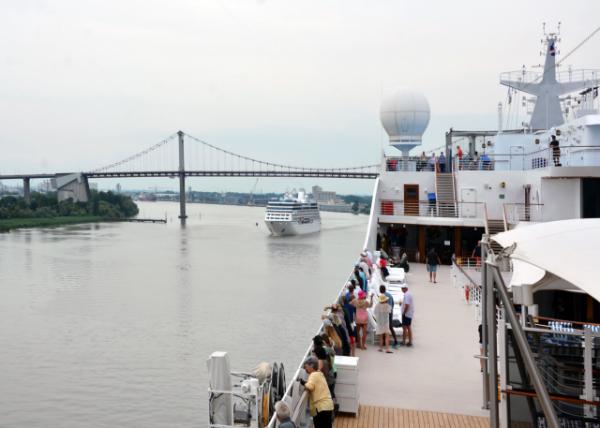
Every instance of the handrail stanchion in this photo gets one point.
(484, 317)
(521, 341)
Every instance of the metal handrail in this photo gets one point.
(486, 218)
(465, 273)
(296, 376)
(428, 209)
(504, 217)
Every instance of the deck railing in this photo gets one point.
(431, 209)
(515, 213)
(566, 354)
(566, 156)
(295, 395)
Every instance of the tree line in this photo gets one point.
(107, 205)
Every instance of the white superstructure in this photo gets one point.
(293, 216)
(504, 177)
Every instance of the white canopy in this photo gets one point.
(567, 249)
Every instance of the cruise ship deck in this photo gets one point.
(436, 382)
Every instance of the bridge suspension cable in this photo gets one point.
(137, 155)
(277, 165)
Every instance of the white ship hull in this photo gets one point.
(288, 228)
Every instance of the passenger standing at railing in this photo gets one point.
(486, 163)
(459, 156)
(365, 266)
(339, 327)
(283, 413)
(432, 162)
(555, 147)
(475, 162)
(325, 362)
(320, 402)
(442, 162)
(362, 317)
(422, 162)
(361, 278)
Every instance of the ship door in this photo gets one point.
(516, 158)
(411, 199)
(468, 199)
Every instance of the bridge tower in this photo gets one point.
(182, 214)
(27, 189)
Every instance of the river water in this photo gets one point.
(106, 325)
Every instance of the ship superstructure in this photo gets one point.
(498, 178)
(293, 215)
(484, 183)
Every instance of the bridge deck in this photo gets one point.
(388, 417)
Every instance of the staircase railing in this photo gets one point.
(486, 219)
(455, 198)
(504, 217)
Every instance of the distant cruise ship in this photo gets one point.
(293, 216)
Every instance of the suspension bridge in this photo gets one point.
(182, 155)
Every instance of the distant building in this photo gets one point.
(93, 186)
(329, 201)
(118, 187)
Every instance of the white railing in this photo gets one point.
(411, 163)
(587, 75)
(466, 277)
(431, 209)
(515, 213)
(295, 396)
(543, 158)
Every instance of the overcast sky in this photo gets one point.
(85, 83)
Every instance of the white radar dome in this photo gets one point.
(405, 115)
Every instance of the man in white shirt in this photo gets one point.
(408, 311)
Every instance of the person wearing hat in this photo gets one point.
(408, 311)
(320, 402)
(382, 316)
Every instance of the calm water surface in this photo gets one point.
(111, 324)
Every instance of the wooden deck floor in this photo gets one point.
(387, 417)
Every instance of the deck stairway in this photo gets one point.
(493, 227)
(445, 194)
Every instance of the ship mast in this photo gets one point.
(547, 88)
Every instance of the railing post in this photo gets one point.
(492, 353)
(182, 214)
(484, 317)
(588, 373)
(523, 347)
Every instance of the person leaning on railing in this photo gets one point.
(283, 413)
(320, 402)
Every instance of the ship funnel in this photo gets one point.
(405, 115)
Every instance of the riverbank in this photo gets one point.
(20, 223)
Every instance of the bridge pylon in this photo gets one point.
(182, 214)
